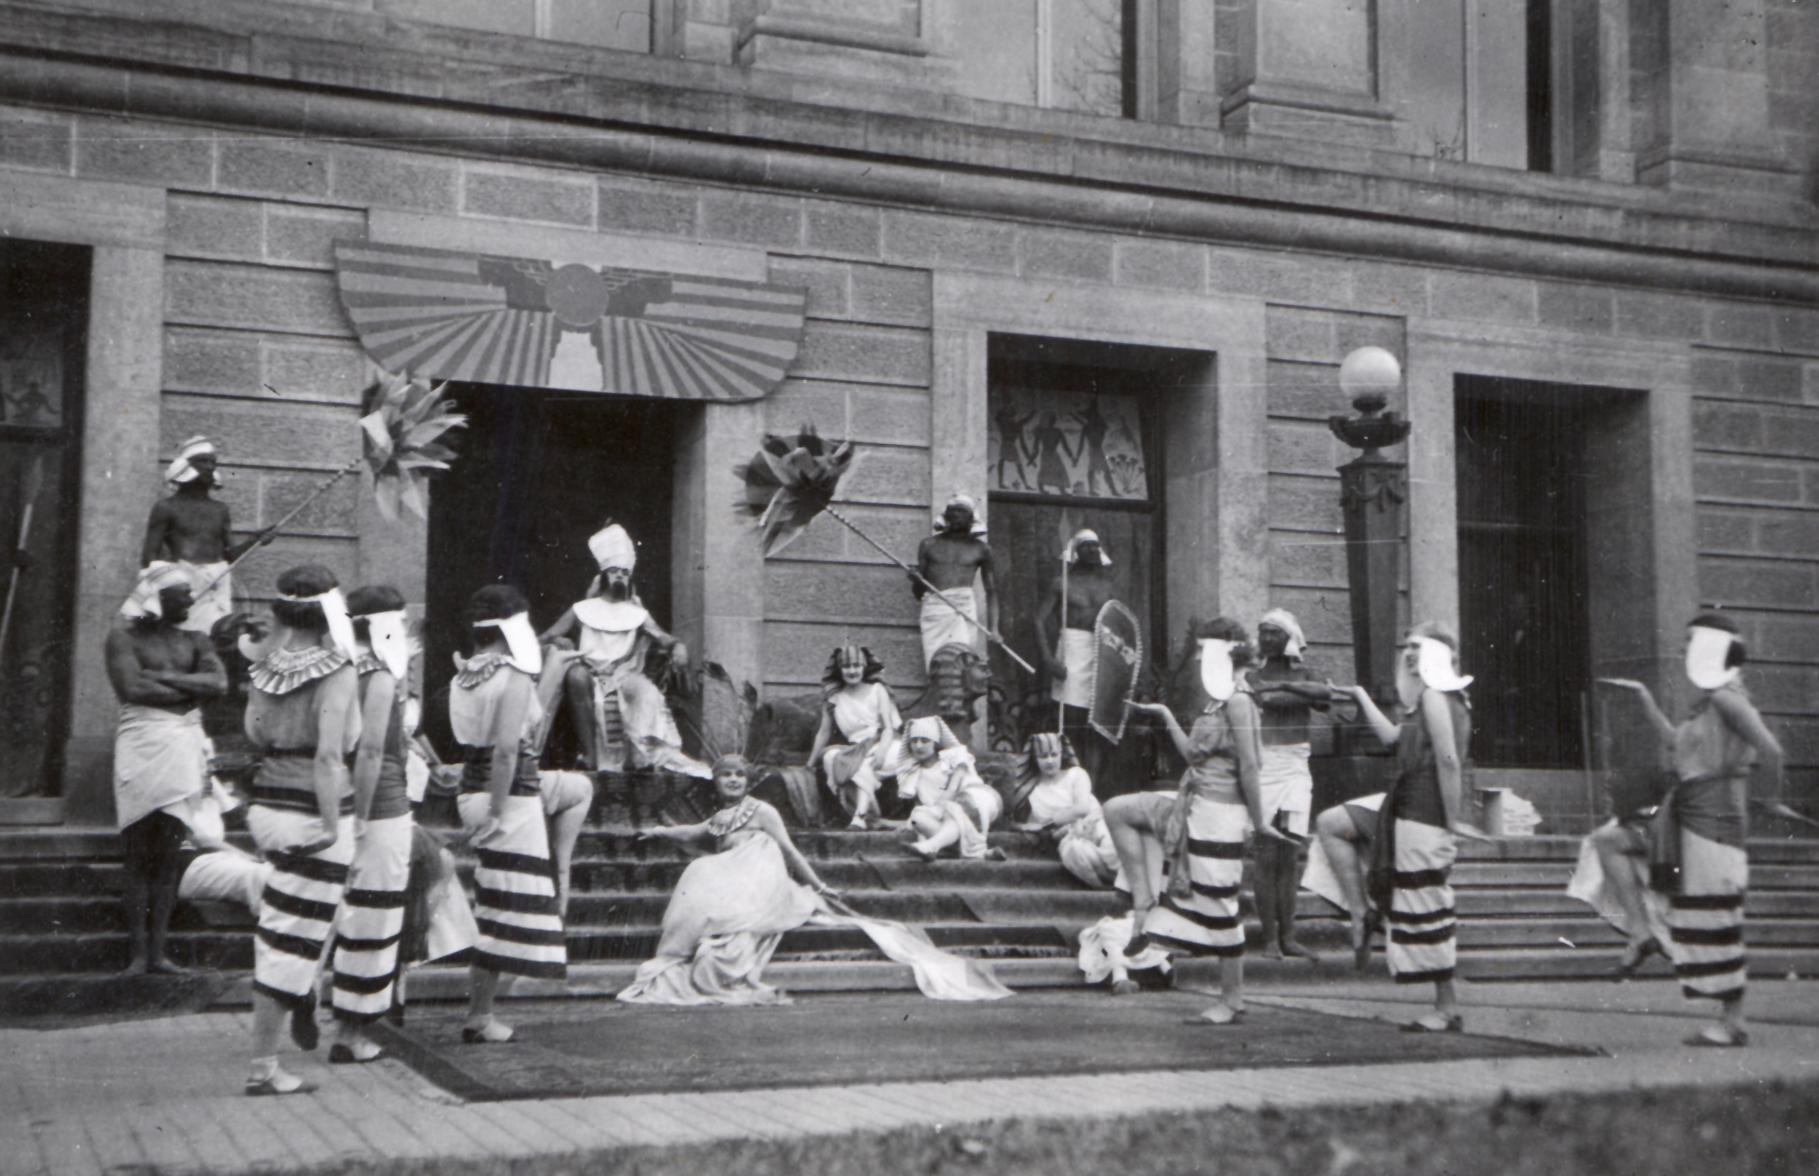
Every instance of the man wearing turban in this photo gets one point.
(194, 532)
(161, 673)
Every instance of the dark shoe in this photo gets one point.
(305, 1033)
(1452, 1024)
(341, 1055)
(1732, 1039)
(1635, 955)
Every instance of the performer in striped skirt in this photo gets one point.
(303, 712)
(1414, 843)
(1705, 818)
(1197, 835)
(371, 919)
(496, 713)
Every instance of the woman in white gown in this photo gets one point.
(731, 908)
(1060, 800)
(859, 722)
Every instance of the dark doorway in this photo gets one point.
(539, 472)
(1523, 596)
(43, 333)
(1075, 443)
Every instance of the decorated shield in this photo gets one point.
(1117, 663)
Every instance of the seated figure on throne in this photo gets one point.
(619, 713)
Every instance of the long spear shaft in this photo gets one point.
(34, 482)
(922, 580)
(294, 511)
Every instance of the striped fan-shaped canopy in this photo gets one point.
(499, 320)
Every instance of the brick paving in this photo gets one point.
(164, 1093)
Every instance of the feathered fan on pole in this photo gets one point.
(401, 440)
(790, 481)
(403, 437)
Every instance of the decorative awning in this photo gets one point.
(505, 320)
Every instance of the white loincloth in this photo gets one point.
(160, 762)
(942, 625)
(1075, 652)
(212, 594)
(1287, 786)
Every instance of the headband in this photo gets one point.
(334, 611)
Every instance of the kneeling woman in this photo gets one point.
(1414, 843)
(1058, 796)
(495, 712)
(732, 907)
(1198, 833)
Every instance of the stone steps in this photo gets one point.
(61, 917)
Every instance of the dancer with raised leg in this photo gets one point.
(1695, 841)
(1414, 842)
(1196, 837)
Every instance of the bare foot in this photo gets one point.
(1295, 951)
(1271, 952)
(1125, 988)
(134, 967)
(165, 968)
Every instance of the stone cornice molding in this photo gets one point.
(1641, 238)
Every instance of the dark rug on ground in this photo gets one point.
(576, 1047)
(62, 1002)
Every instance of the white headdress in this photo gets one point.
(612, 547)
(1281, 618)
(180, 470)
(520, 639)
(387, 633)
(334, 611)
(1216, 671)
(1434, 662)
(154, 578)
(1085, 535)
(1706, 651)
(966, 500)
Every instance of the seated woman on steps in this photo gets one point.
(858, 724)
(731, 907)
(953, 805)
(1056, 797)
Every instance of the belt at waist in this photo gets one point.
(288, 753)
(527, 781)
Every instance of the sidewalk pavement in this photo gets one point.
(165, 1093)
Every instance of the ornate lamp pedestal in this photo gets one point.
(1373, 489)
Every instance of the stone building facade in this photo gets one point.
(1585, 227)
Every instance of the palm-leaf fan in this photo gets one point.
(401, 440)
(403, 435)
(791, 481)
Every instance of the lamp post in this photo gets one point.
(1372, 491)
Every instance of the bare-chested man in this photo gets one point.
(951, 559)
(160, 672)
(1087, 578)
(193, 531)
